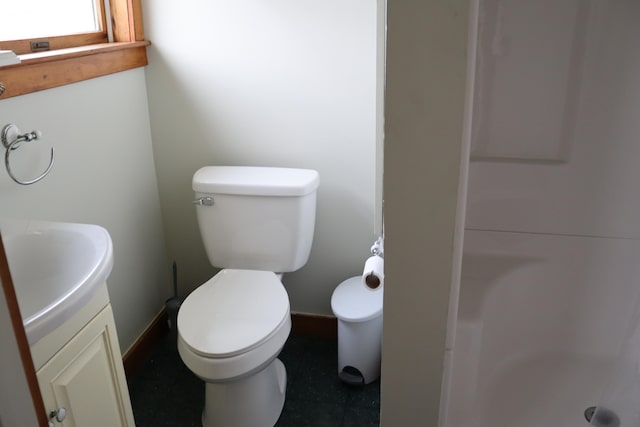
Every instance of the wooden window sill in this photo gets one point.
(46, 70)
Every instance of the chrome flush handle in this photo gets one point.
(204, 201)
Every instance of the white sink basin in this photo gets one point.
(56, 268)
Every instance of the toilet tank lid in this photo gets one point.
(255, 181)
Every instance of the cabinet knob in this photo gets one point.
(59, 415)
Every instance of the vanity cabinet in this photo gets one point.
(86, 378)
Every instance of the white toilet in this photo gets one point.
(255, 222)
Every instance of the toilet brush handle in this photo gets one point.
(175, 279)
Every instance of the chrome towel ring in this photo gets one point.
(11, 139)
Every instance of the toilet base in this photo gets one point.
(253, 401)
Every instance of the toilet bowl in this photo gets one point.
(230, 331)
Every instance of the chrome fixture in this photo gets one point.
(378, 247)
(204, 201)
(59, 414)
(11, 139)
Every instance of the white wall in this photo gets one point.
(424, 121)
(279, 83)
(103, 175)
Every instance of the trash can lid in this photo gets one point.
(353, 302)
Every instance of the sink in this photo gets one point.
(56, 268)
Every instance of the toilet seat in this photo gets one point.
(233, 312)
(234, 323)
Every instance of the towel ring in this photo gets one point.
(11, 140)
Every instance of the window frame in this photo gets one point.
(23, 47)
(79, 57)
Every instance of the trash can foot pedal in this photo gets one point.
(351, 376)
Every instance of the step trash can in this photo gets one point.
(359, 313)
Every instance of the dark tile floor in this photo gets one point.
(165, 393)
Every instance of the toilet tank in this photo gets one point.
(261, 218)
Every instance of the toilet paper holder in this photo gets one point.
(378, 247)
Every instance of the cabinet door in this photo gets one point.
(86, 378)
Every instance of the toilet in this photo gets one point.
(256, 223)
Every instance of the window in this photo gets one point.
(38, 18)
(83, 52)
(51, 24)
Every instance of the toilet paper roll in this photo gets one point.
(373, 274)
